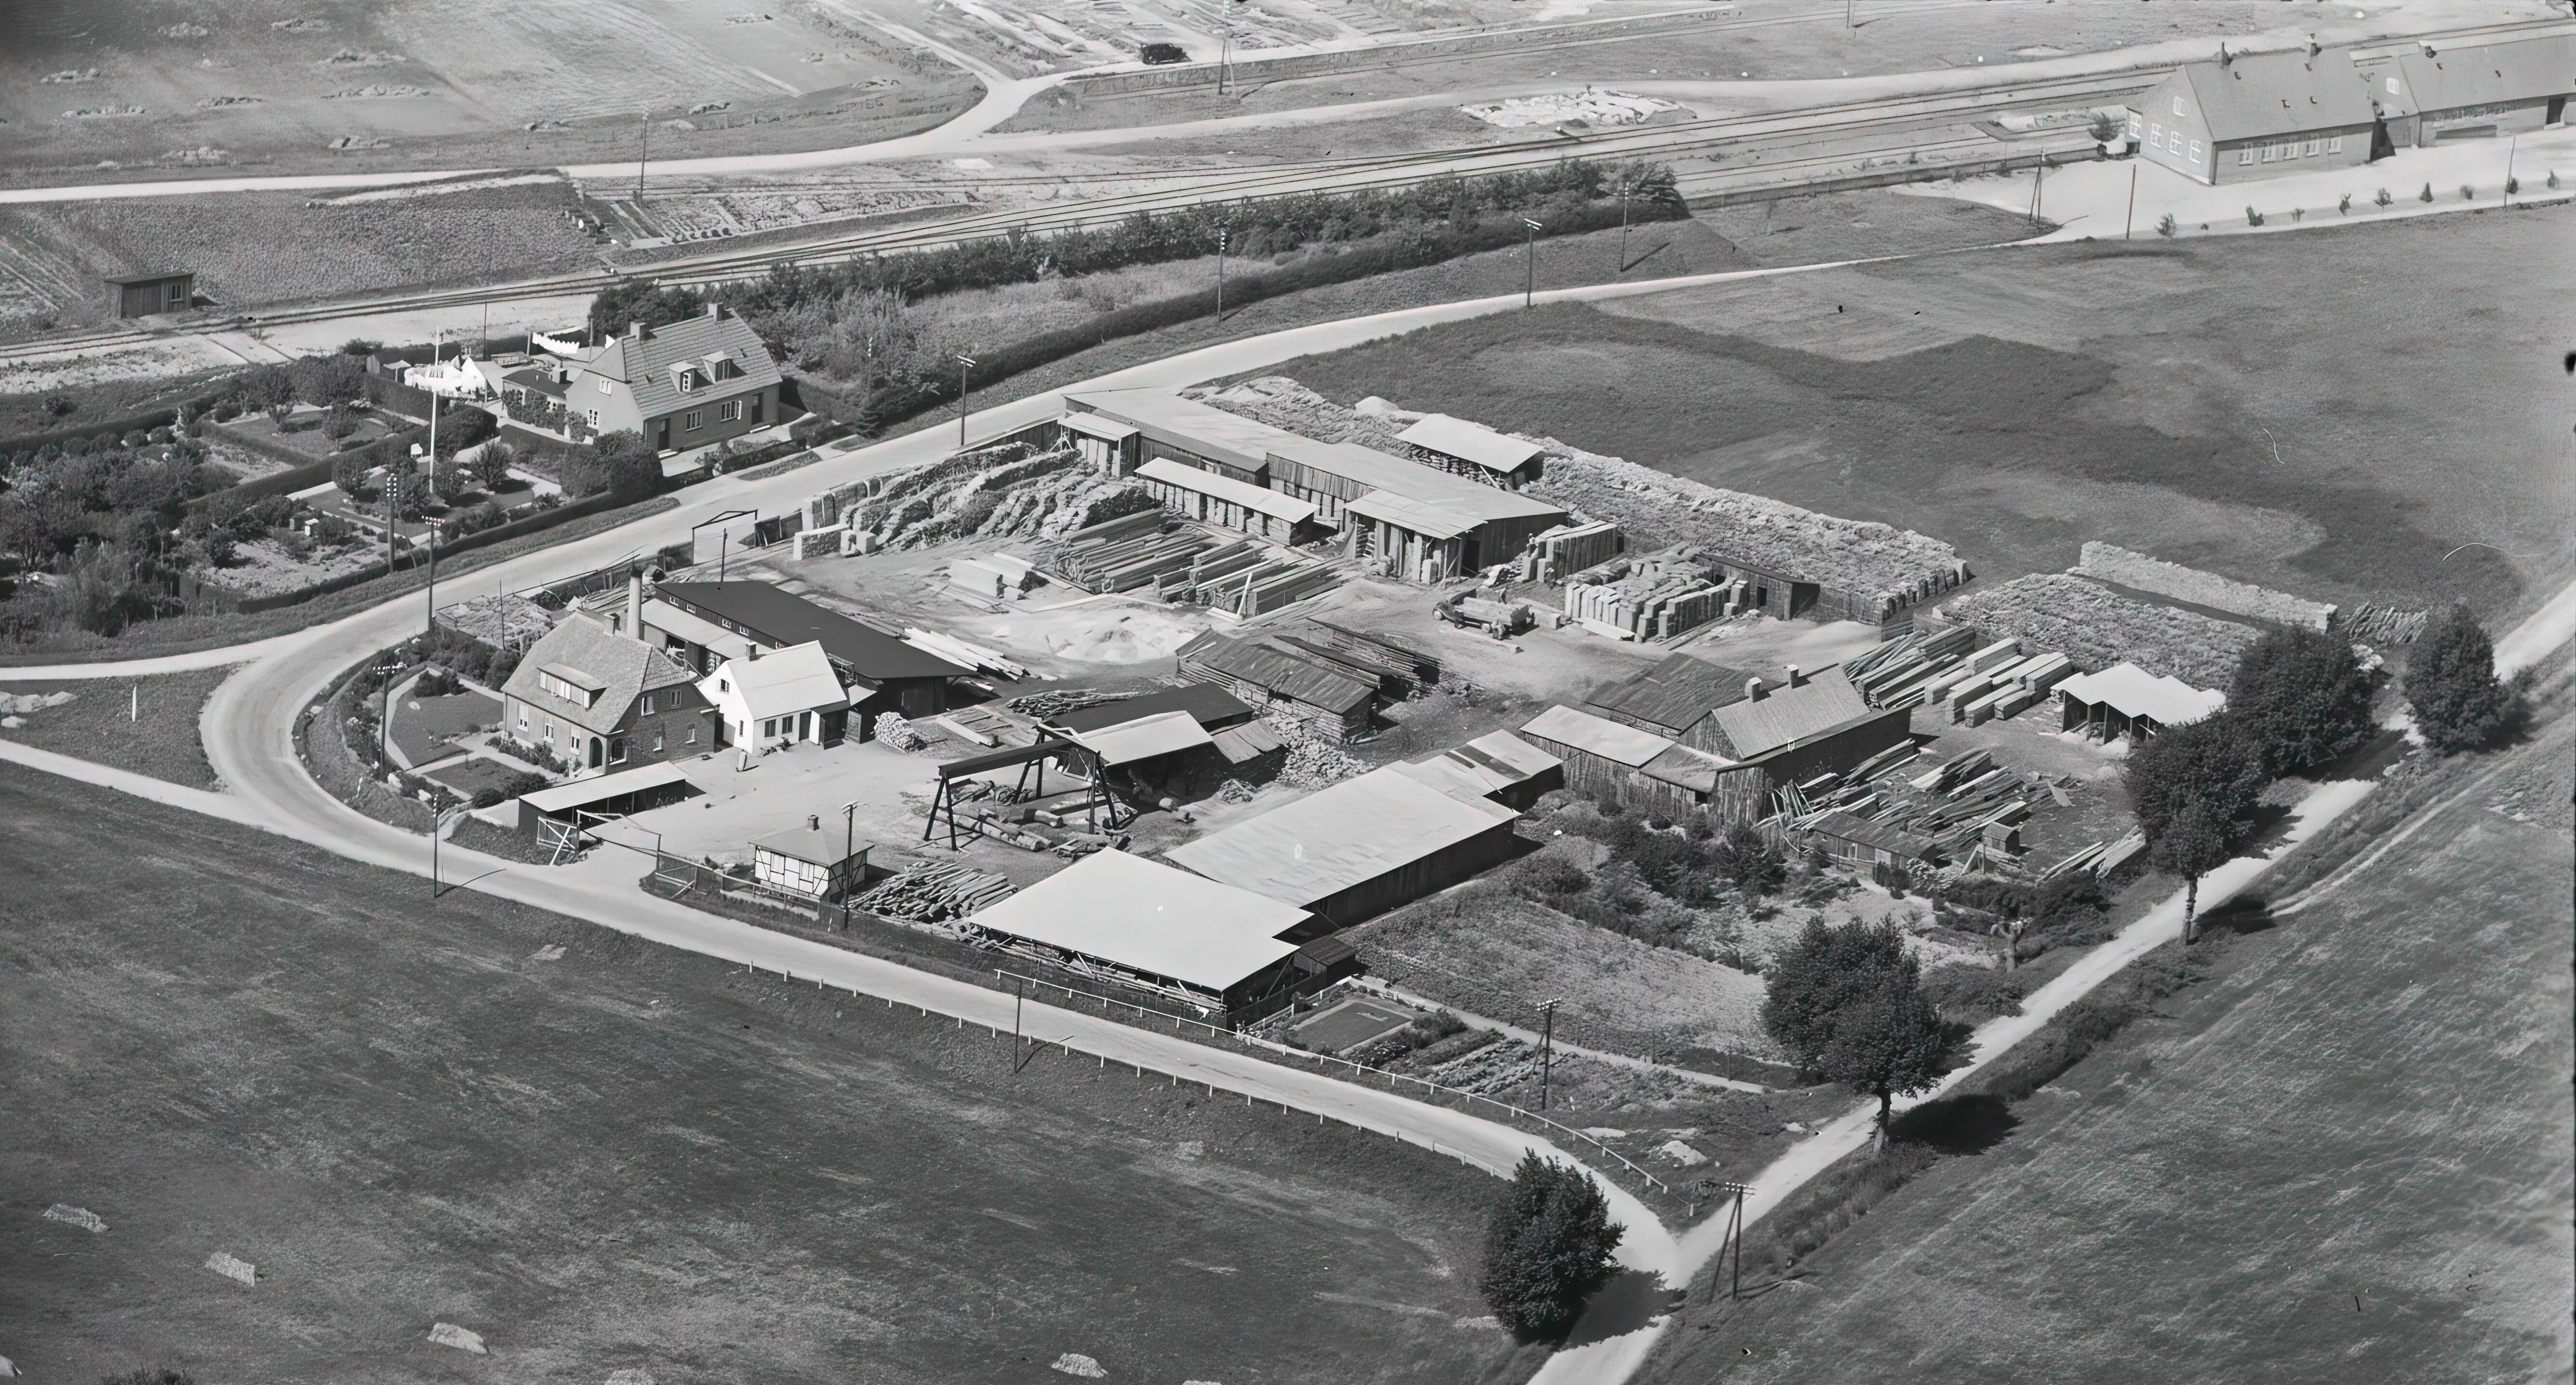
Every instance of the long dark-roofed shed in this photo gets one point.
(884, 673)
(1301, 686)
(1213, 707)
(1674, 698)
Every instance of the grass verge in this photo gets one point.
(146, 725)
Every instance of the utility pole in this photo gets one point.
(2036, 174)
(2132, 223)
(1529, 267)
(1220, 274)
(1735, 1235)
(849, 848)
(964, 364)
(643, 151)
(1625, 187)
(1546, 1046)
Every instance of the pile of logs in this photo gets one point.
(934, 893)
(1187, 564)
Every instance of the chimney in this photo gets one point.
(1796, 679)
(1754, 691)
(715, 310)
(635, 331)
(635, 605)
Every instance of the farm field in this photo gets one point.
(236, 244)
(2343, 1157)
(2205, 403)
(602, 1155)
(1702, 66)
(407, 83)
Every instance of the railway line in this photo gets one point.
(1767, 154)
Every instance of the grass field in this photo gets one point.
(2315, 412)
(618, 1156)
(147, 725)
(2344, 1157)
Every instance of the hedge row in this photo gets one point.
(415, 557)
(131, 423)
(1389, 253)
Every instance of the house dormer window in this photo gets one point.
(570, 684)
(688, 380)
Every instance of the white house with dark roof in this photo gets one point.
(686, 384)
(603, 701)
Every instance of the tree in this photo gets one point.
(2193, 788)
(2302, 696)
(1847, 1002)
(1547, 1248)
(2451, 684)
(1748, 862)
(621, 463)
(492, 465)
(349, 472)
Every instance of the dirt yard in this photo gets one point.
(602, 1155)
(147, 725)
(2344, 1157)
(2200, 402)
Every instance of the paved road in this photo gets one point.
(248, 724)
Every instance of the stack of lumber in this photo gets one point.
(1894, 673)
(2381, 624)
(1950, 671)
(957, 651)
(2097, 628)
(1187, 564)
(1046, 706)
(1653, 597)
(1400, 666)
(932, 893)
(1570, 548)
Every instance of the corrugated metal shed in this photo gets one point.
(1470, 442)
(1148, 918)
(1341, 839)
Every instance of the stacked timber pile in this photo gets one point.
(1010, 490)
(1862, 567)
(1967, 807)
(1653, 597)
(1283, 403)
(2106, 562)
(2097, 627)
(1184, 563)
(1948, 670)
(934, 893)
(2382, 624)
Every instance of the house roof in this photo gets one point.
(1673, 695)
(1211, 705)
(1145, 738)
(2133, 692)
(1307, 851)
(623, 668)
(648, 364)
(2254, 95)
(2455, 76)
(1600, 736)
(1687, 767)
(1250, 741)
(1150, 918)
(1470, 442)
(1281, 673)
(783, 618)
(819, 846)
(1259, 499)
(1783, 714)
(798, 678)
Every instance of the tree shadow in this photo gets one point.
(1631, 1300)
(1967, 1124)
(2243, 915)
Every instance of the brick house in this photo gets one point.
(2256, 115)
(686, 384)
(604, 701)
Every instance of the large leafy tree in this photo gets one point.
(2302, 696)
(1847, 1003)
(2451, 684)
(1548, 1243)
(2193, 788)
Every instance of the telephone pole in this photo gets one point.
(1220, 274)
(964, 364)
(1546, 1046)
(1529, 266)
(643, 151)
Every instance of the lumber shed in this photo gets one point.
(1356, 849)
(2126, 700)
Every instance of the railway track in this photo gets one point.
(1871, 130)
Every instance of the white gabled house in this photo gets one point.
(780, 698)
